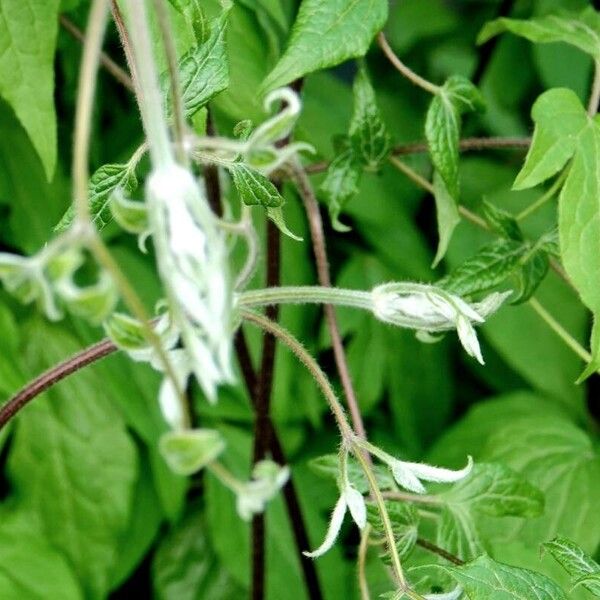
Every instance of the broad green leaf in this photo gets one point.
(447, 213)
(29, 566)
(28, 31)
(185, 566)
(368, 133)
(486, 579)
(559, 459)
(190, 450)
(195, 18)
(326, 33)
(575, 561)
(254, 188)
(494, 489)
(103, 183)
(203, 70)
(594, 364)
(581, 30)
(341, 185)
(442, 127)
(74, 464)
(559, 118)
(492, 265)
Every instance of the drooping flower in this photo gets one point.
(430, 309)
(409, 474)
(267, 479)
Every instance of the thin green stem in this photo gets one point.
(348, 435)
(595, 93)
(306, 295)
(90, 61)
(173, 72)
(545, 197)
(363, 548)
(412, 174)
(406, 71)
(407, 497)
(564, 335)
(223, 474)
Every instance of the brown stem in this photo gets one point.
(440, 551)
(106, 61)
(465, 145)
(317, 234)
(52, 376)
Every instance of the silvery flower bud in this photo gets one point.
(192, 263)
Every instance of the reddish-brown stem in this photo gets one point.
(440, 551)
(315, 223)
(106, 61)
(52, 376)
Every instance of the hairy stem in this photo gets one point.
(406, 71)
(315, 223)
(439, 551)
(111, 67)
(349, 437)
(362, 563)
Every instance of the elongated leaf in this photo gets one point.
(581, 30)
(368, 133)
(492, 265)
(484, 579)
(203, 70)
(559, 118)
(579, 219)
(74, 464)
(575, 561)
(102, 184)
(530, 276)
(341, 185)
(27, 40)
(502, 222)
(447, 213)
(326, 33)
(254, 188)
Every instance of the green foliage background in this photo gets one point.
(89, 510)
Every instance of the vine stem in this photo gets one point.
(349, 437)
(363, 548)
(545, 197)
(106, 61)
(406, 71)
(317, 234)
(560, 331)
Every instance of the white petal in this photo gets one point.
(170, 406)
(335, 524)
(490, 304)
(468, 338)
(455, 594)
(405, 478)
(356, 505)
(439, 474)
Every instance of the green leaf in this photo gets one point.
(203, 70)
(29, 566)
(126, 332)
(405, 524)
(253, 187)
(448, 216)
(579, 218)
(484, 579)
(575, 561)
(106, 180)
(581, 30)
(185, 566)
(74, 464)
(131, 215)
(530, 276)
(558, 458)
(492, 265)
(368, 133)
(594, 364)
(326, 33)
(501, 222)
(190, 450)
(559, 118)
(341, 185)
(275, 213)
(494, 489)
(442, 126)
(27, 38)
